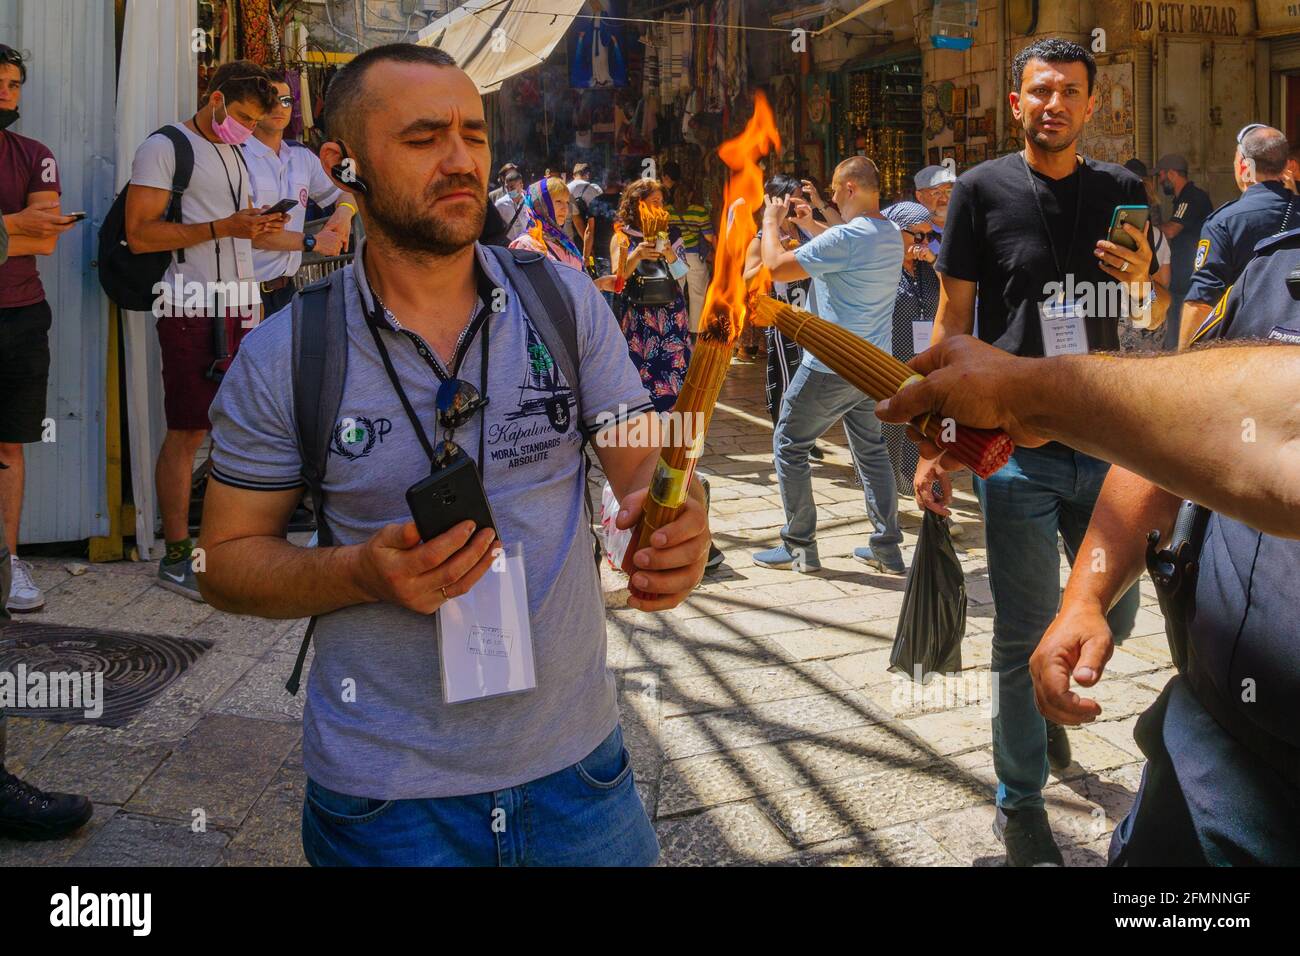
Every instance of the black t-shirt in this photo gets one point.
(1191, 208)
(994, 236)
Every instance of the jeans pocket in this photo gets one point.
(341, 808)
(608, 765)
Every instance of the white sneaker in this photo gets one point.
(24, 595)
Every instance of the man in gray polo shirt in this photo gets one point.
(397, 776)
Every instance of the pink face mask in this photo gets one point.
(230, 130)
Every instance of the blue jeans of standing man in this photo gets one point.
(589, 814)
(1039, 493)
(813, 403)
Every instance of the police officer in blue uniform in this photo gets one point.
(1228, 238)
(1222, 782)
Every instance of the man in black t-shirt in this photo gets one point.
(1026, 238)
(1192, 207)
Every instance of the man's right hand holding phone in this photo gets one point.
(249, 224)
(40, 220)
(396, 567)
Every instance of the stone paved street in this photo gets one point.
(763, 723)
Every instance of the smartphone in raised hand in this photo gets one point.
(1136, 216)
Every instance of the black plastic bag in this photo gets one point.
(933, 619)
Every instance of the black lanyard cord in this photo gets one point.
(1042, 217)
(234, 193)
(420, 433)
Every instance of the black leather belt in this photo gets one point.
(276, 284)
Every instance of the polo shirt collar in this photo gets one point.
(486, 277)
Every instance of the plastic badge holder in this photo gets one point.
(485, 636)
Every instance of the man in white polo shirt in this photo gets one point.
(284, 169)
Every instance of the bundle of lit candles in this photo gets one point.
(723, 318)
(654, 222)
(880, 375)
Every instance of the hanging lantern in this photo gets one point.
(952, 24)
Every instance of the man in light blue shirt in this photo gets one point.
(855, 267)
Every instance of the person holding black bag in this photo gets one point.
(651, 309)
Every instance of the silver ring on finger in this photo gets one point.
(443, 589)
(1123, 266)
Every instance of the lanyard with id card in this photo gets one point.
(484, 636)
(1061, 318)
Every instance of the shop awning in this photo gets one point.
(492, 40)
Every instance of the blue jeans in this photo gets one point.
(588, 814)
(1040, 492)
(812, 403)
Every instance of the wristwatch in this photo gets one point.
(308, 243)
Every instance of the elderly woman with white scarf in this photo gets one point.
(914, 311)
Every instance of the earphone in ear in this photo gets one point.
(345, 175)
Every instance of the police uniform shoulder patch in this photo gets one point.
(1202, 252)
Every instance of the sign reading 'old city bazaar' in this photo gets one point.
(1216, 19)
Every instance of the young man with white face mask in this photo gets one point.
(211, 276)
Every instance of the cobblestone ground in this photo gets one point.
(763, 724)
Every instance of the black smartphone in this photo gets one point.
(449, 496)
(1134, 215)
(75, 216)
(283, 206)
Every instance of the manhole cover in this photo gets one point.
(64, 661)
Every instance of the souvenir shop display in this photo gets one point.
(883, 116)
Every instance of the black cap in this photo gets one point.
(1137, 168)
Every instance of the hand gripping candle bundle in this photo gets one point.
(880, 375)
(722, 320)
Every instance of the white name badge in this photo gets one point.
(486, 638)
(1064, 332)
(921, 332)
(243, 258)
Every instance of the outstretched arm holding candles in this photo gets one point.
(1240, 457)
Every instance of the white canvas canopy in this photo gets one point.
(492, 40)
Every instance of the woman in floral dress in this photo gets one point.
(657, 332)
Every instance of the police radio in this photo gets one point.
(1173, 569)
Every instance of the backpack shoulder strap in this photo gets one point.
(320, 360)
(551, 311)
(180, 175)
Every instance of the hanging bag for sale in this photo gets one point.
(933, 619)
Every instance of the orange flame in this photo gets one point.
(725, 304)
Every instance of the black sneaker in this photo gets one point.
(30, 814)
(1058, 747)
(716, 557)
(1027, 836)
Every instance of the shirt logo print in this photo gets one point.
(355, 436)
